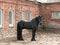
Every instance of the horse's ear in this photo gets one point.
(40, 15)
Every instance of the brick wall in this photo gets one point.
(48, 8)
(44, 9)
(17, 6)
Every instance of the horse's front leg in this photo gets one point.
(33, 35)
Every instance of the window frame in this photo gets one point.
(13, 13)
(30, 15)
(1, 18)
(21, 15)
(58, 17)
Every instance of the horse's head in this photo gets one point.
(40, 18)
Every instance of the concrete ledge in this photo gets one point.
(52, 24)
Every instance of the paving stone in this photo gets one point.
(51, 37)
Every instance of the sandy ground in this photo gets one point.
(43, 37)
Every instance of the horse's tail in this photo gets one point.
(18, 32)
(17, 26)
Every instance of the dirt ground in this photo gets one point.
(43, 37)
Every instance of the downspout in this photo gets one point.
(16, 10)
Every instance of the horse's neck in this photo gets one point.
(34, 22)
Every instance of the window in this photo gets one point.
(21, 15)
(11, 18)
(32, 0)
(1, 17)
(56, 15)
(29, 15)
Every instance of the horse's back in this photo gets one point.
(21, 22)
(25, 24)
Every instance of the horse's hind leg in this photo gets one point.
(33, 35)
(21, 38)
(19, 34)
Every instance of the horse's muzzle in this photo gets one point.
(40, 23)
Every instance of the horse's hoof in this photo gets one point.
(18, 39)
(21, 39)
(33, 40)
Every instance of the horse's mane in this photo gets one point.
(34, 18)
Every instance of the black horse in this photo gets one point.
(33, 24)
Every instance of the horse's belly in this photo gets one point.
(27, 27)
